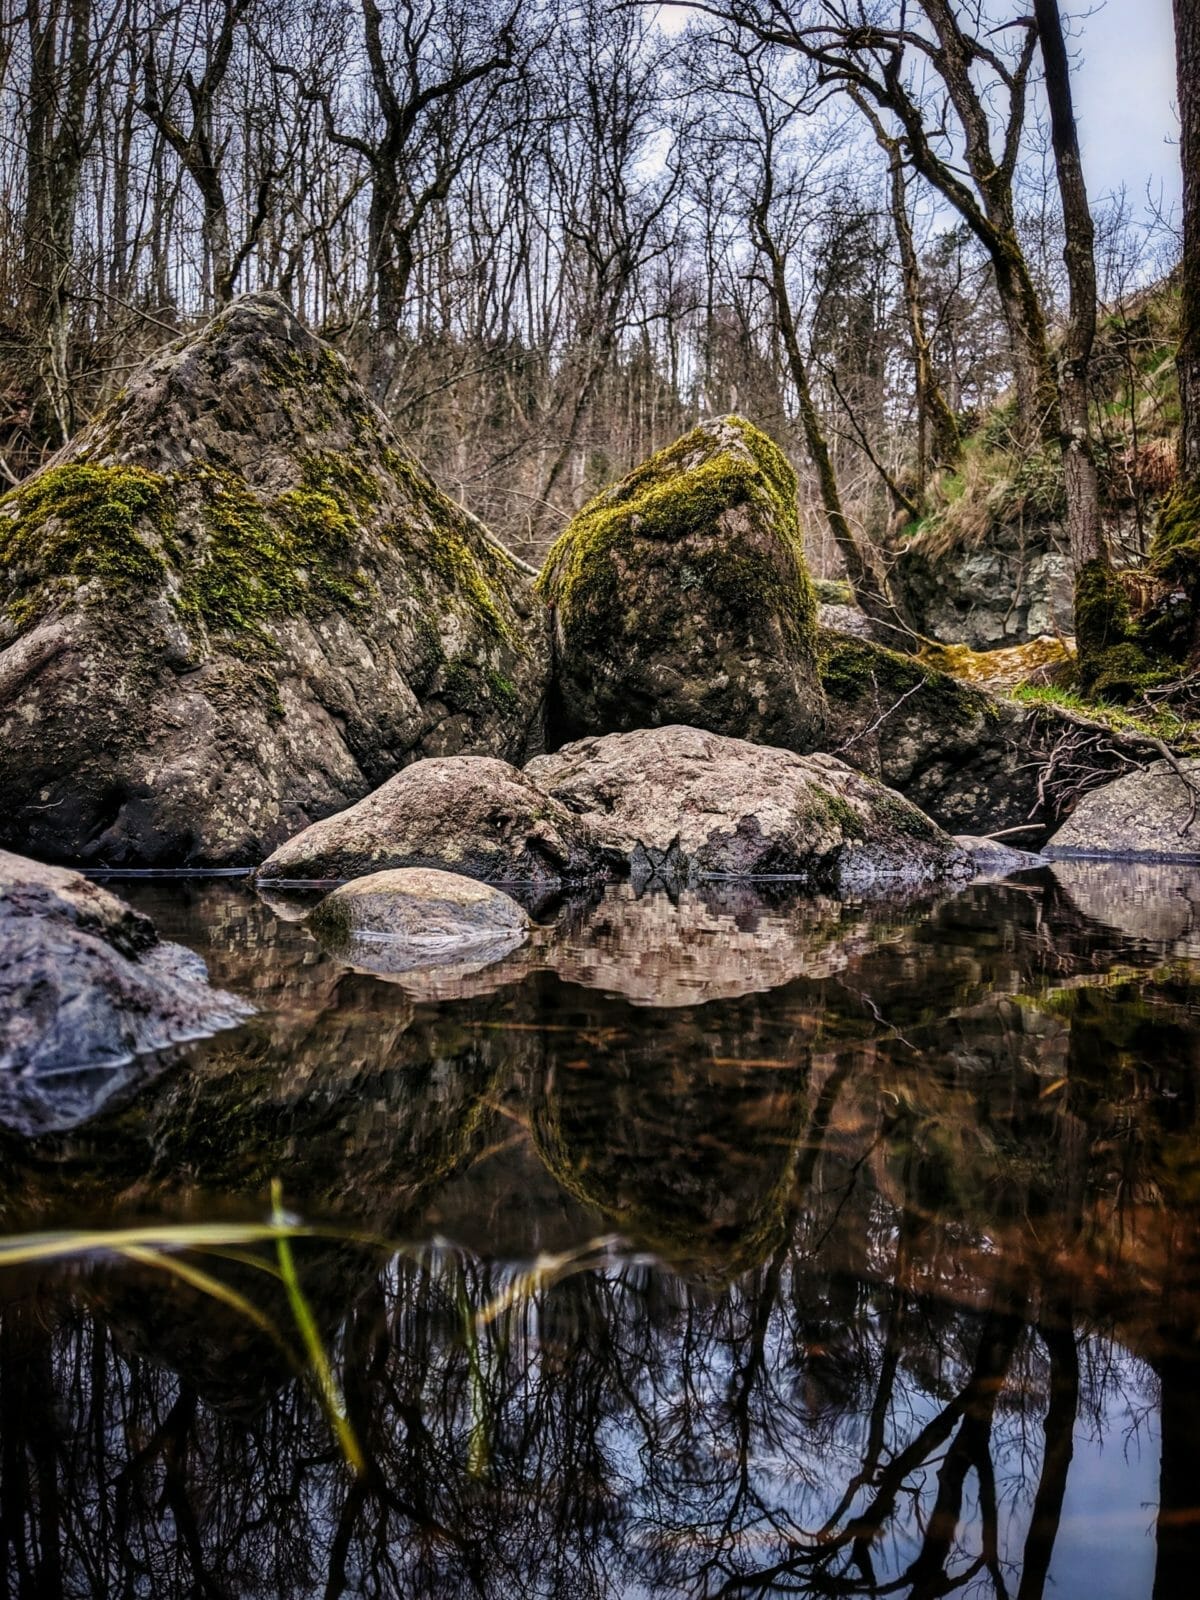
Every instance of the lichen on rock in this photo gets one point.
(679, 805)
(682, 595)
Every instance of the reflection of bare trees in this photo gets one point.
(920, 1233)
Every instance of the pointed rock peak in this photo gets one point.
(236, 603)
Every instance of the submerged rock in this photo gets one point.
(682, 596)
(680, 804)
(1148, 815)
(85, 986)
(234, 604)
(991, 858)
(467, 814)
(420, 918)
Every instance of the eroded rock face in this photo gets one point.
(1149, 815)
(85, 986)
(419, 918)
(682, 596)
(469, 814)
(234, 605)
(680, 804)
(1015, 586)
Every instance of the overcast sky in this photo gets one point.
(1124, 95)
(1125, 99)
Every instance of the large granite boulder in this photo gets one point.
(469, 814)
(1149, 815)
(234, 604)
(682, 596)
(85, 986)
(975, 762)
(682, 804)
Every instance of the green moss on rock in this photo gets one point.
(671, 497)
(470, 687)
(855, 673)
(264, 559)
(79, 522)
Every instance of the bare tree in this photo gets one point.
(1099, 605)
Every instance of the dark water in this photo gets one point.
(875, 1264)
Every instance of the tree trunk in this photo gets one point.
(1187, 46)
(869, 590)
(1099, 603)
(55, 152)
(943, 441)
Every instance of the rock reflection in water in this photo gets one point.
(925, 1276)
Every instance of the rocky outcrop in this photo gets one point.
(419, 918)
(86, 985)
(1148, 815)
(682, 596)
(469, 814)
(1009, 589)
(680, 804)
(974, 762)
(234, 605)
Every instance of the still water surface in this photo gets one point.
(875, 1262)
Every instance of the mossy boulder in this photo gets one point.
(681, 595)
(976, 762)
(235, 604)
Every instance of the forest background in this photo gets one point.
(553, 235)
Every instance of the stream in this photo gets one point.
(733, 1244)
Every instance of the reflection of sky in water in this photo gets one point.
(1105, 1547)
(867, 1143)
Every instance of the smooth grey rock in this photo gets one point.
(681, 804)
(418, 918)
(681, 595)
(1145, 816)
(85, 987)
(234, 605)
(467, 814)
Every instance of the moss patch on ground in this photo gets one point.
(1181, 733)
(683, 491)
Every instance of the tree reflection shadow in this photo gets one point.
(897, 1238)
